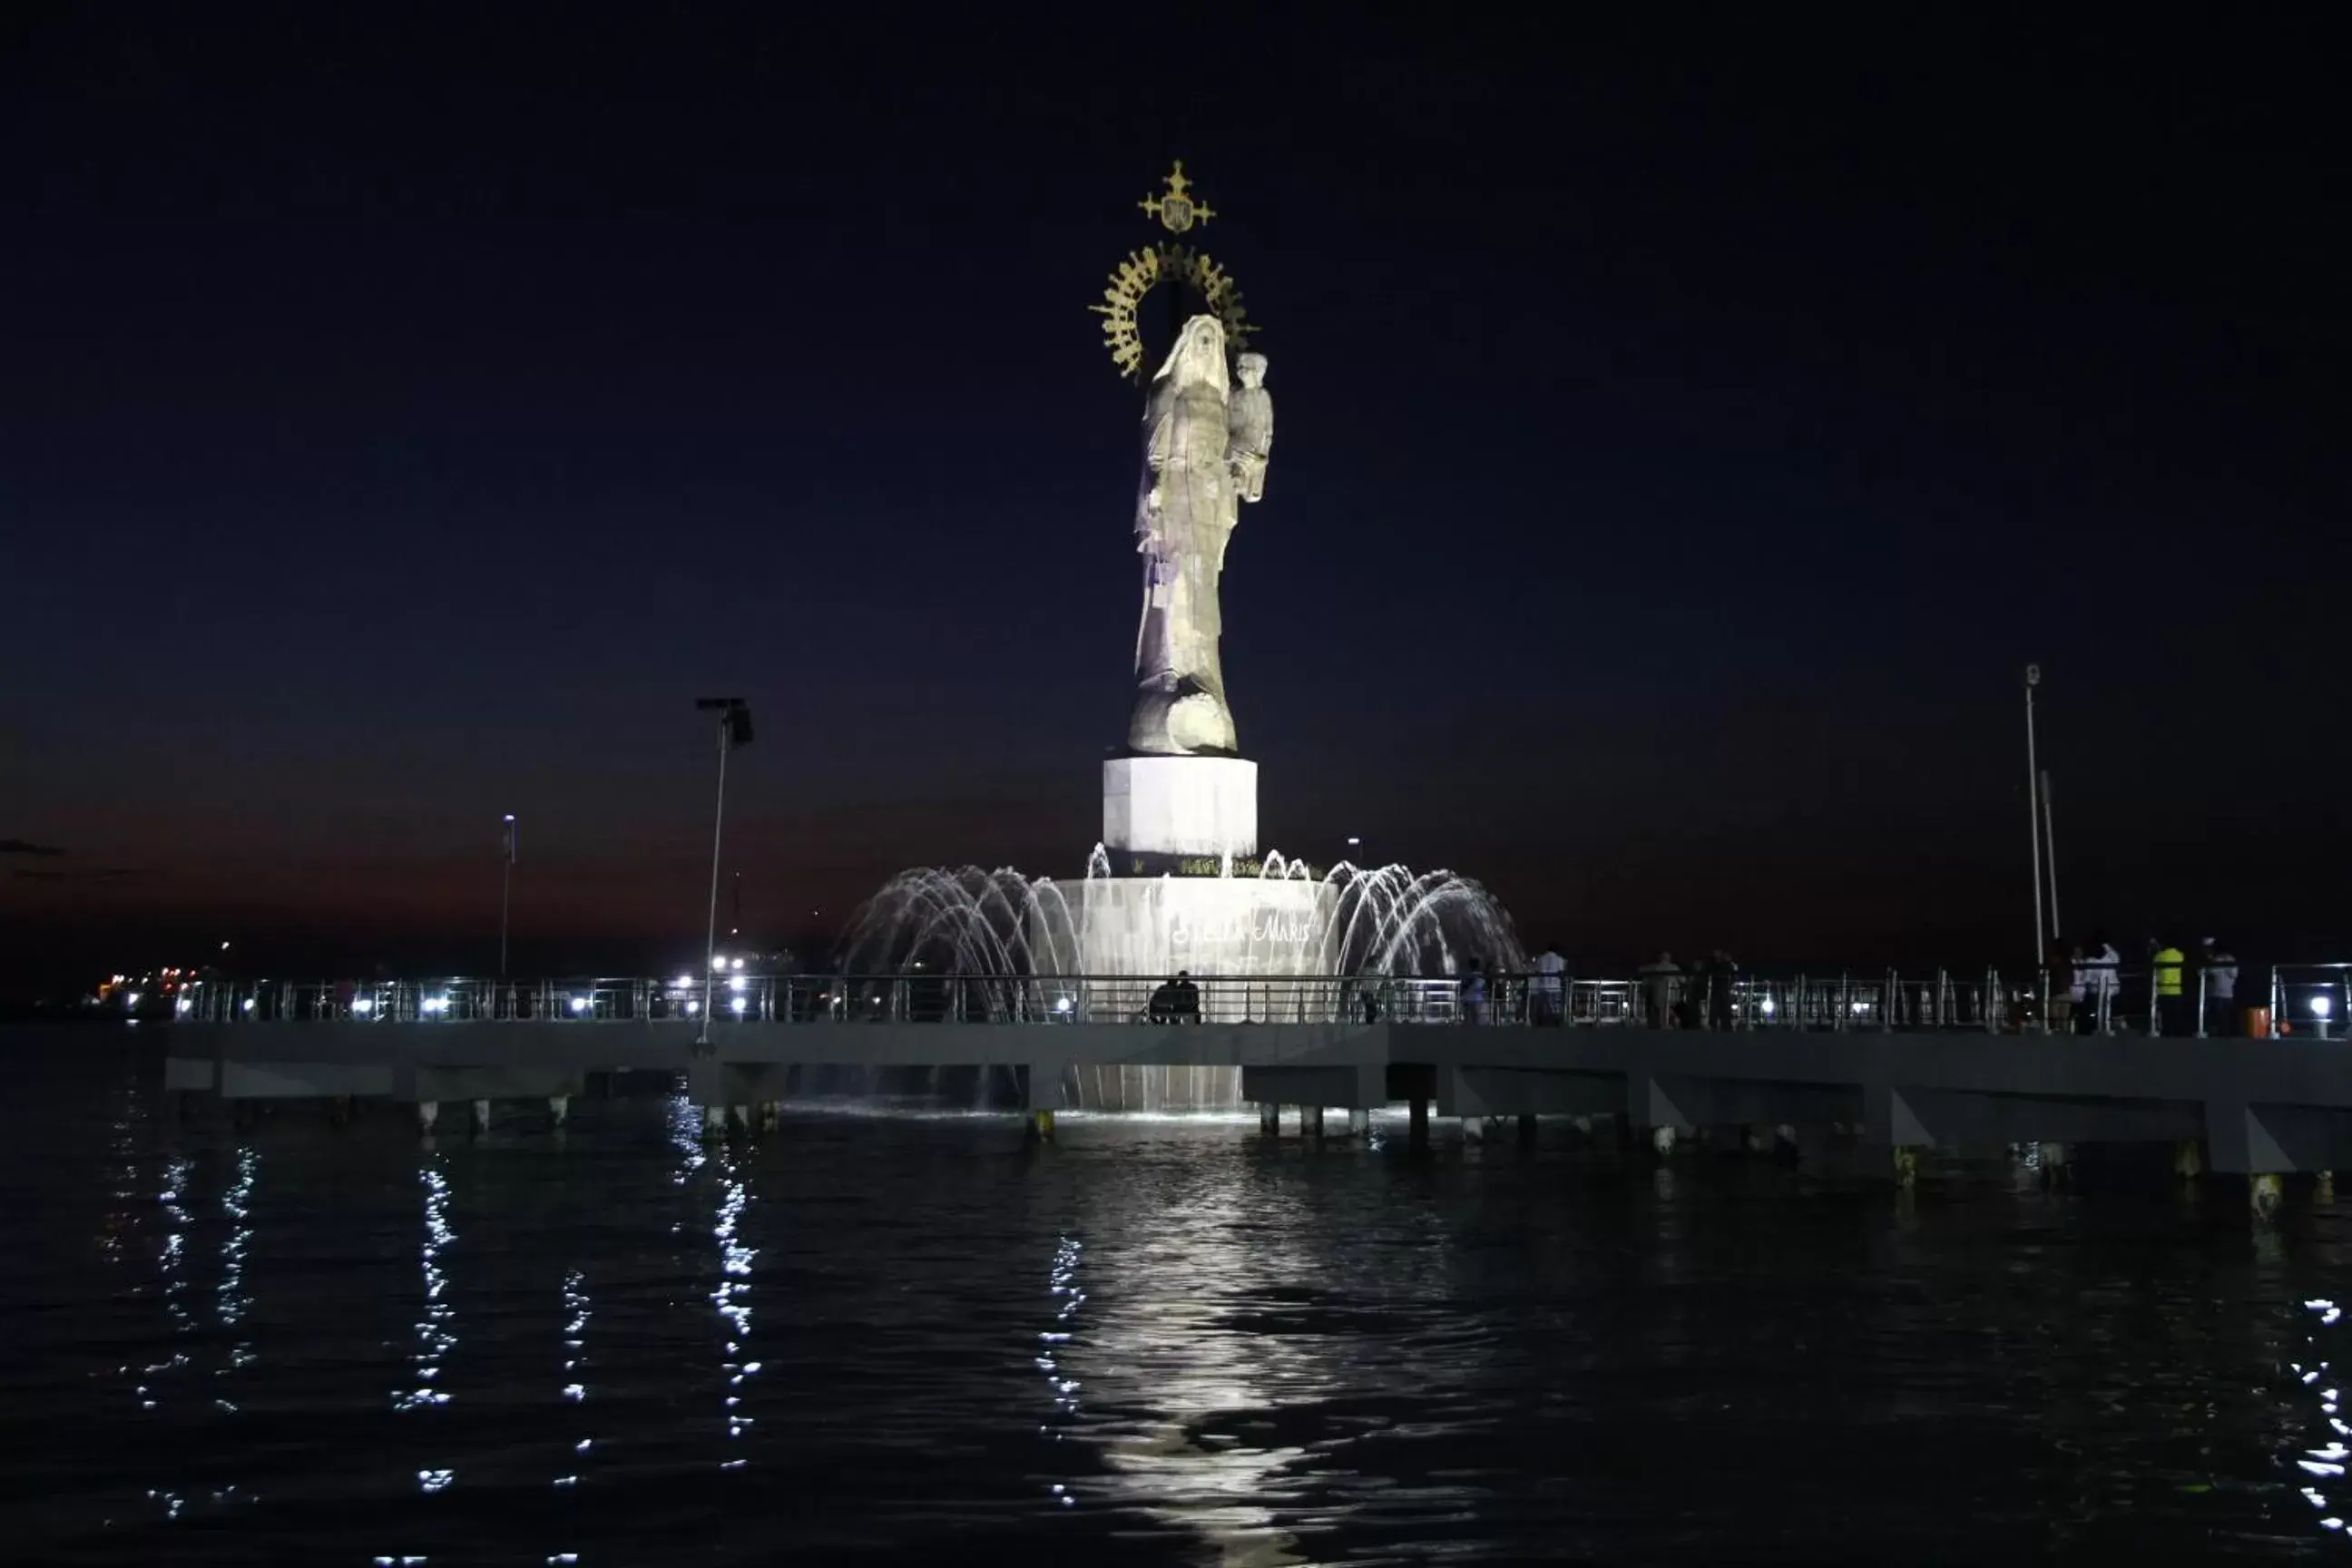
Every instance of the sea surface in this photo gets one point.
(869, 1336)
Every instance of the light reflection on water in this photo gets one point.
(1163, 1341)
(436, 1323)
(235, 1247)
(732, 1298)
(1184, 1394)
(2325, 1462)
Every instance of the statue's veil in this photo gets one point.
(1199, 356)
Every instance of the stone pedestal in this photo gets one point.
(1203, 806)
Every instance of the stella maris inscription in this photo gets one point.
(1132, 864)
(1243, 928)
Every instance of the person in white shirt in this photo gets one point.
(1548, 989)
(2102, 971)
(2220, 968)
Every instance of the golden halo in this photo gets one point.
(1146, 269)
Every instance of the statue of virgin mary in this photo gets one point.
(1184, 514)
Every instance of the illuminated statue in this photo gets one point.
(1194, 462)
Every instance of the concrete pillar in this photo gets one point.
(1269, 1121)
(2262, 1194)
(1527, 1131)
(482, 1117)
(1310, 1121)
(1359, 1123)
(559, 1106)
(2188, 1158)
(1419, 1137)
(428, 1112)
(1041, 1125)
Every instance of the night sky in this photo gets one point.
(1687, 431)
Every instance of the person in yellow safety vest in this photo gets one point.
(2169, 1017)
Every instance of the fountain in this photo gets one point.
(1270, 941)
(1177, 884)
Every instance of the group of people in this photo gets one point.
(2084, 987)
(2084, 991)
(1176, 1001)
(1699, 997)
(1546, 982)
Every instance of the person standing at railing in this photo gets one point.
(2167, 964)
(1659, 982)
(1722, 975)
(2105, 972)
(2220, 968)
(2058, 985)
(1473, 994)
(1547, 991)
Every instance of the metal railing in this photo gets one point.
(2314, 1000)
(2311, 998)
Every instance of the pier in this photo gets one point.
(1897, 1065)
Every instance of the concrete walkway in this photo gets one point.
(2257, 1105)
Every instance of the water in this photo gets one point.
(901, 1338)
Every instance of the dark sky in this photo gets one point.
(1687, 430)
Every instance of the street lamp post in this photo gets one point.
(2034, 810)
(734, 729)
(2050, 860)
(506, 889)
